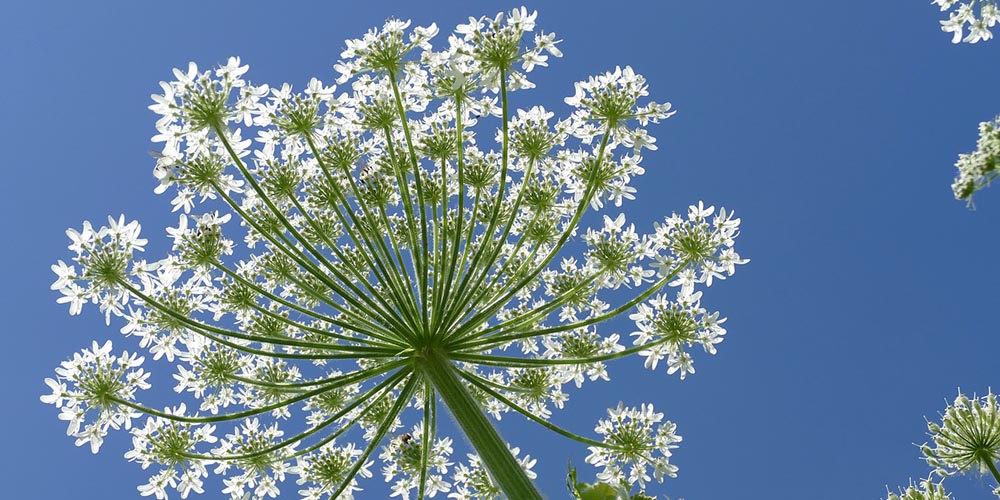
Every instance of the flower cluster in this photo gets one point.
(94, 390)
(105, 256)
(348, 258)
(474, 482)
(977, 169)
(666, 328)
(327, 468)
(967, 438)
(638, 439)
(166, 441)
(611, 100)
(980, 20)
(926, 490)
(405, 457)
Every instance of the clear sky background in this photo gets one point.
(831, 128)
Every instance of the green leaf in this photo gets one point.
(598, 491)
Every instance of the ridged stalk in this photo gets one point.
(480, 432)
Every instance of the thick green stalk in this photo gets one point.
(993, 469)
(480, 432)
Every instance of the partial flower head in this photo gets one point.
(977, 170)
(924, 490)
(979, 16)
(968, 437)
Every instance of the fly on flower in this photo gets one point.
(365, 170)
(351, 260)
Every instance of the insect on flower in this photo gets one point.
(365, 170)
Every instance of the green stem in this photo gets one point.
(303, 262)
(288, 249)
(480, 432)
(341, 382)
(416, 258)
(459, 215)
(438, 250)
(404, 398)
(361, 278)
(478, 291)
(309, 312)
(470, 275)
(493, 307)
(203, 329)
(507, 361)
(484, 338)
(382, 389)
(420, 193)
(390, 278)
(376, 309)
(993, 469)
(478, 382)
(427, 437)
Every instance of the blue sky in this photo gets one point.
(830, 127)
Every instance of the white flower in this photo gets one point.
(978, 30)
(944, 4)
(979, 25)
(232, 71)
(158, 484)
(403, 456)
(75, 296)
(58, 393)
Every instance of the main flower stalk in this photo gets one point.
(440, 372)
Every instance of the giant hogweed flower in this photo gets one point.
(389, 262)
